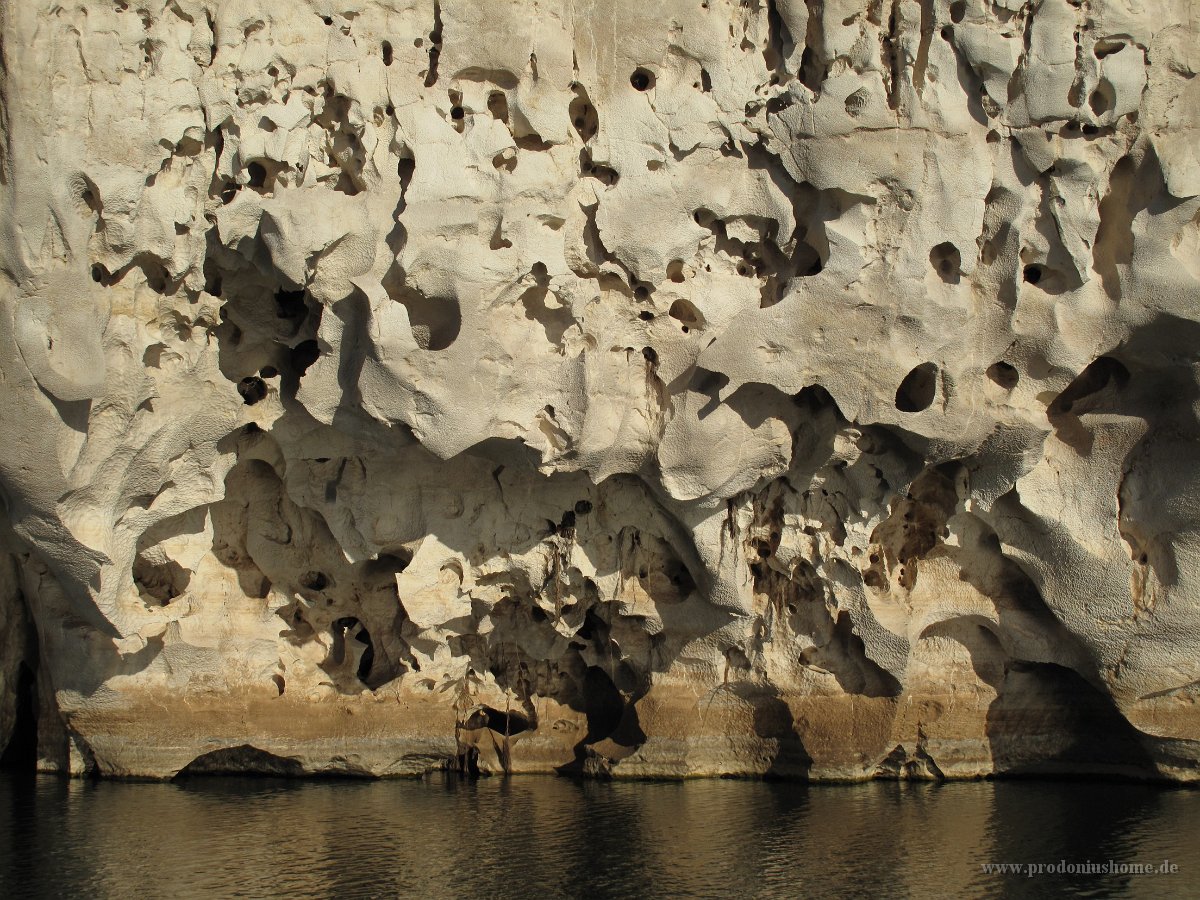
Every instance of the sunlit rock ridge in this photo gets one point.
(629, 388)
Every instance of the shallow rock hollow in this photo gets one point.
(632, 389)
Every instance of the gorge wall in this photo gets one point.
(671, 388)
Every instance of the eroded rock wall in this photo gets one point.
(676, 388)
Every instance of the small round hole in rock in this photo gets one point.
(642, 79)
(314, 581)
(645, 315)
(457, 113)
(958, 11)
(498, 106)
(641, 292)
(583, 507)
(256, 173)
(1032, 274)
(946, 260)
(252, 389)
(917, 390)
(1004, 374)
(684, 312)
(650, 355)
(387, 53)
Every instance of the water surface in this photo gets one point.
(552, 837)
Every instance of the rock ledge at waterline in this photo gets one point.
(634, 388)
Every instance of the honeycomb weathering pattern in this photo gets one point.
(646, 389)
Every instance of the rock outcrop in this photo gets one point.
(649, 389)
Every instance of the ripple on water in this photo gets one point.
(548, 837)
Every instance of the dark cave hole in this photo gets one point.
(387, 53)
(646, 316)
(435, 321)
(947, 261)
(1032, 274)
(1004, 374)
(642, 79)
(506, 723)
(367, 660)
(22, 750)
(958, 11)
(650, 355)
(256, 174)
(1101, 101)
(303, 355)
(583, 115)
(252, 389)
(593, 626)
(390, 563)
(314, 581)
(603, 704)
(684, 313)
(497, 104)
(583, 507)
(290, 304)
(917, 390)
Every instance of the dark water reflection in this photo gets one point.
(548, 837)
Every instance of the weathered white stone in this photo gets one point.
(638, 388)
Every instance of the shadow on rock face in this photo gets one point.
(1049, 720)
(773, 721)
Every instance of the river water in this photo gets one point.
(551, 837)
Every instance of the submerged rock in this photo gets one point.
(667, 389)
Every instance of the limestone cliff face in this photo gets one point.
(646, 388)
